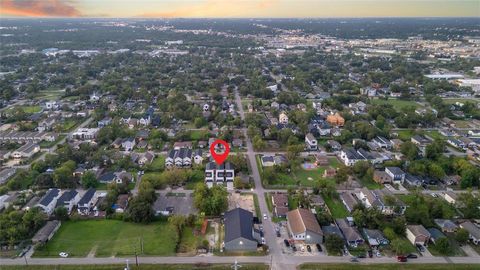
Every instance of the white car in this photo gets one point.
(263, 241)
(264, 216)
(63, 254)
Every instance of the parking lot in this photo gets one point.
(175, 203)
(301, 248)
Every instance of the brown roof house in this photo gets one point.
(417, 234)
(280, 204)
(303, 226)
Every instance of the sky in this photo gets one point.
(239, 8)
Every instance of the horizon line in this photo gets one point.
(245, 18)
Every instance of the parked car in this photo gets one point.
(63, 254)
(412, 256)
(264, 216)
(354, 259)
(263, 241)
(287, 244)
(402, 259)
(421, 248)
(319, 247)
(294, 248)
(302, 248)
(370, 253)
(362, 256)
(278, 234)
(309, 249)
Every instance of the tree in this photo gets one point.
(342, 174)
(61, 213)
(443, 245)
(334, 244)
(178, 222)
(462, 236)
(410, 150)
(89, 180)
(139, 211)
(212, 201)
(435, 149)
(399, 246)
(63, 175)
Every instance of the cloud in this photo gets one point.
(215, 8)
(39, 8)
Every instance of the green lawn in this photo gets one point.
(157, 165)
(337, 209)
(189, 241)
(393, 266)
(110, 237)
(199, 135)
(303, 175)
(245, 266)
(31, 109)
(369, 183)
(268, 200)
(398, 104)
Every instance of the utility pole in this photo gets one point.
(236, 266)
(25, 257)
(128, 266)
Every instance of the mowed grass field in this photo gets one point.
(393, 266)
(106, 238)
(140, 267)
(398, 104)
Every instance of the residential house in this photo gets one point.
(348, 200)
(334, 145)
(239, 232)
(49, 201)
(316, 200)
(26, 151)
(198, 157)
(122, 203)
(146, 158)
(104, 122)
(280, 204)
(420, 140)
(473, 232)
(332, 229)
(269, 161)
(46, 232)
(283, 118)
(219, 174)
(349, 156)
(6, 174)
(336, 120)
(435, 235)
(311, 142)
(417, 234)
(68, 199)
(382, 142)
(383, 200)
(86, 203)
(397, 175)
(375, 238)
(352, 235)
(457, 143)
(303, 226)
(180, 158)
(382, 177)
(128, 144)
(450, 197)
(446, 225)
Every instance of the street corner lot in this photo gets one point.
(245, 201)
(104, 238)
(175, 203)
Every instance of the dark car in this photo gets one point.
(309, 249)
(319, 247)
(412, 256)
(370, 253)
(286, 242)
(362, 256)
(402, 259)
(420, 247)
(294, 248)
(278, 234)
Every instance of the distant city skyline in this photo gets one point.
(239, 8)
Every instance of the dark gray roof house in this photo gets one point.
(239, 230)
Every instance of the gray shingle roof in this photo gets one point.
(238, 223)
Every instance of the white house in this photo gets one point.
(219, 174)
(283, 118)
(397, 175)
(49, 201)
(68, 199)
(311, 142)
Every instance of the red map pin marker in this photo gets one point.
(220, 158)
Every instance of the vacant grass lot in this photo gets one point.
(336, 207)
(110, 237)
(398, 104)
(393, 266)
(140, 267)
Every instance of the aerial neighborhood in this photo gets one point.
(352, 145)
